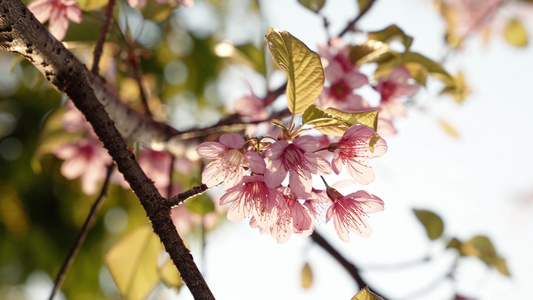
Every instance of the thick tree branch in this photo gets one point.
(20, 32)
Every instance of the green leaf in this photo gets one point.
(133, 263)
(457, 88)
(366, 294)
(313, 5)
(432, 223)
(157, 12)
(88, 5)
(170, 274)
(391, 33)
(200, 204)
(363, 4)
(371, 51)
(373, 142)
(324, 122)
(305, 74)
(515, 33)
(368, 118)
(411, 59)
(307, 276)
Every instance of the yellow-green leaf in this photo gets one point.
(482, 248)
(324, 122)
(432, 67)
(449, 128)
(133, 263)
(366, 294)
(432, 223)
(371, 51)
(373, 142)
(88, 5)
(170, 274)
(363, 4)
(457, 88)
(313, 5)
(515, 33)
(201, 204)
(305, 74)
(368, 118)
(307, 276)
(391, 33)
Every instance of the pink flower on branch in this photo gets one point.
(353, 150)
(298, 161)
(230, 161)
(392, 88)
(253, 197)
(86, 159)
(349, 212)
(57, 13)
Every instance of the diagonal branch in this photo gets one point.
(22, 33)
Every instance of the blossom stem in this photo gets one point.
(82, 235)
(195, 191)
(351, 24)
(98, 49)
(352, 269)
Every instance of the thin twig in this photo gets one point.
(351, 24)
(135, 63)
(104, 31)
(195, 191)
(82, 235)
(170, 172)
(352, 269)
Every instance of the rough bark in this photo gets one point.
(21, 33)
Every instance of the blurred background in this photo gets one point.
(466, 161)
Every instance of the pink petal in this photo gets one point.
(186, 3)
(255, 162)
(275, 150)
(360, 170)
(301, 184)
(232, 140)
(355, 79)
(41, 9)
(368, 203)
(337, 162)
(301, 218)
(275, 174)
(74, 13)
(307, 143)
(211, 176)
(211, 150)
(58, 25)
(137, 3)
(317, 164)
(73, 167)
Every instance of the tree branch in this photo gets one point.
(62, 274)
(351, 24)
(20, 32)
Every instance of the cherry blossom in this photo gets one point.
(251, 106)
(353, 150)
(57, 13)
(142, 3)
(343, 77)
(156, 165)
(349, 212)
(253, 197)
(293, 217)
(392, 88)
(298, 160)
(86, 159)
(230, 160)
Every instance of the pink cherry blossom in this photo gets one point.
(142, 3)
(343, 78)
(87, 159)
(251, 106)
(156, 165)
(57, 13)
(298, 160)
(230, 160)
(350, 212)
(353, 150)
(392, 88)
(253, 197)
(294, 217)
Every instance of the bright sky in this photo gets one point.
(476, 182)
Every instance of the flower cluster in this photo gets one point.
(270, 180)
(345, 79)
